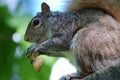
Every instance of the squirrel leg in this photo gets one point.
(79, 51)
(83, 69)
(54, 46)
(50, 47)
(96, 47)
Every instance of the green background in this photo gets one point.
(13, 62)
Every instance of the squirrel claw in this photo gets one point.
(31, 61)
(28, 54)
(30, 51)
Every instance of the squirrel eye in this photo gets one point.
(36, 22)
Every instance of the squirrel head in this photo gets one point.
(37, 30)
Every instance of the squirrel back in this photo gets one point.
(110, 6)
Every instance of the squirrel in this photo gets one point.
(88, 34)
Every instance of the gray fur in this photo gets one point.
(91, 35)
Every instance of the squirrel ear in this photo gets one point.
(45, 8)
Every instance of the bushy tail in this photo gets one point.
(110, 6)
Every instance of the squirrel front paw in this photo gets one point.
(32, 52)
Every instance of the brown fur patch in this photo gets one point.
(98, 45)
(110, 6)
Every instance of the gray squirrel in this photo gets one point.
(88, 35)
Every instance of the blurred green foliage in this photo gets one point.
(7, 46)
(13, 62)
